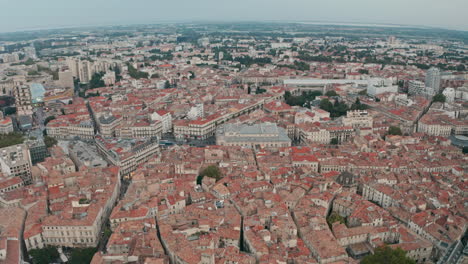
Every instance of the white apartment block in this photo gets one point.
(357, 119)
(15, 161)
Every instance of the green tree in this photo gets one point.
(393, 130)
(167, 85)
(33, 72)
(49, 141)
(260, 90)
(387, 255)
(82, 255)
(335, 217)
(439, 98)
(357, 105)
(326, 105)
(11, 139)
(331, 93)
(334, 141)
(301, 66)
(44, 256)
(211, 171)
(134, 73)
(10, 110)
(96, 80)
(29, 62)
(48, 119)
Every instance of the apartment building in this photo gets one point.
(357, 119)
(127, 154)
(6, 126)
(15, 161)
(165, 118)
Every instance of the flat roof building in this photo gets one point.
(16, 161)
(265, 135)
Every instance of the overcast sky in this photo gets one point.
(38, 14)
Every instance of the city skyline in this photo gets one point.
(56, 14)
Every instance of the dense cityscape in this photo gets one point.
(281, 143)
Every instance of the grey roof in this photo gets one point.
(106, 120)
(256, 132)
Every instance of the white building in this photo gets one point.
(165, 118)
(109, 78)
(357, 119)
(196, 112)
(15, 161)
(449, 94)
(378, 86)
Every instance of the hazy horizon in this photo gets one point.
(34, 15)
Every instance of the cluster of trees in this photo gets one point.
(96, 80)
(320, 58)
(301, 66)
(387, 255)
(334, 217)
(81, 255)
(10, 139)
(298, 65)
(45, 255)
(211, 171)
(226, 54)
(160, 55)
(393, 130)
(260, 90)
(336, 110)
(439, 98)
(301, 100)
(363, 71)
(340, 108)
(134, 73)
(331, 93)
(357, 105)
(10, 110)
(247, 60)
(49, 141)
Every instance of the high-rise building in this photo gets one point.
(23, 100)
(433, 81)
(85, 71)
(416, 87)
(81, 69)
(65, 79)
(73, 65)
